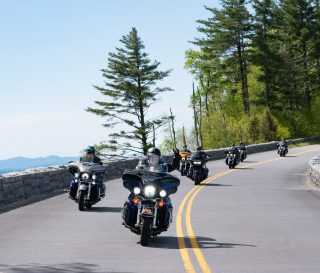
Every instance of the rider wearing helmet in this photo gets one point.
(198, 154)
(91, 157)
(154, 162)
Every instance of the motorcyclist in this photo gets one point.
(233, 150)
(185, 149)
(154, 162)
(184, 153)
(91, 157)
(284, 143)
(242, 146)
(199, 153)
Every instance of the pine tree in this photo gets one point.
(265, 49)
(227, 34)
(130, 91)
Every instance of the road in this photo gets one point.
(262, 217)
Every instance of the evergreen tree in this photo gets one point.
(265, 49)
(130, 91)
(227, 35)
(298, 31)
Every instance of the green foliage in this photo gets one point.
(274, 52)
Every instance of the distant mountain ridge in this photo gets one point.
(22, 163)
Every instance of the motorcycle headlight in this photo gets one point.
(136, 190)
(94, 177)
(76, 174)
(197, 163)
(85, 176)
(149, 191)
(163, 193)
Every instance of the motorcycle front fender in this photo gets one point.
(83, 187)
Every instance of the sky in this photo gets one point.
(52, 53)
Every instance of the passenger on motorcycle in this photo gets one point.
(91, 157)
(199, 154)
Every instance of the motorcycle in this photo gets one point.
(199, 171)
(231, 160)
(243, 154)
(84, 189)
(148, 210)
(282, 150)
(184, 163)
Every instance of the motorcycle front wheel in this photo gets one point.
(145, 230)
(81, 201)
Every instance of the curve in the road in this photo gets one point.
(190, 197)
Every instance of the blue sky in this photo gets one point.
(52, 52)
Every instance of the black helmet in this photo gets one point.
(184, 146)
(91, 150)
(199, 148)
(241, 143)
(154, 150)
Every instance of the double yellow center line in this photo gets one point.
(189, 267)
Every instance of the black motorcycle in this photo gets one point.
(198, 171)
(232, 159)
(243, 154)
(85, 189)
(148, 210)
(184, 163)
(282, 150)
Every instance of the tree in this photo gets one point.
(227, 34)
(130, 91)
(265, 44)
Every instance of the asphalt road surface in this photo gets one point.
(262, 217)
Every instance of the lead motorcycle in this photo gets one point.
(84, 189)
(148, 210)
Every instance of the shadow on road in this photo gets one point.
(248, 161)
(29, 201)
(58, 268)
(291, 156)
(215, 185)
(244, 168)
(171, 242)
(104, 209)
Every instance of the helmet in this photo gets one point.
(154, 150)
(91, 150)
(199, 148)
(154, 157)
(241, 143)
(184, 146)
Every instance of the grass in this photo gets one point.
(294, 145)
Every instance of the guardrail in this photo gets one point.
(23, 185)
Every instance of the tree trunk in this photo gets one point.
(244, 80)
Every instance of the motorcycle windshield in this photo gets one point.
(88, 167)
(139, 178)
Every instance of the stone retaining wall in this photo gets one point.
(314, 170)
(23, 185)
